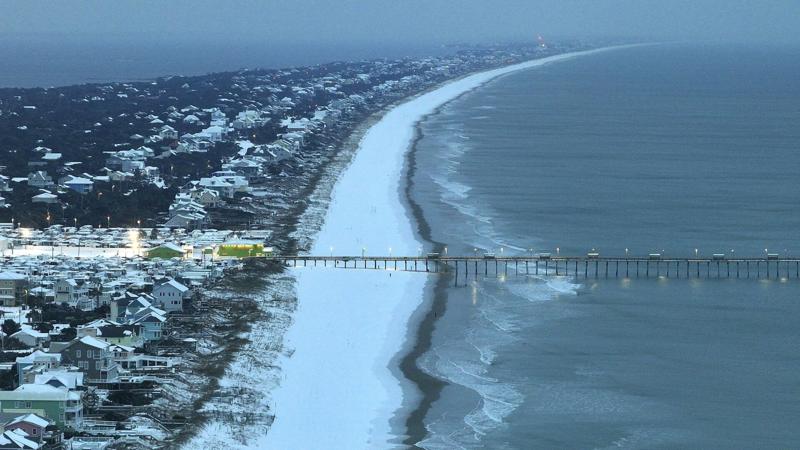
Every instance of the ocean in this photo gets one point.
(668, 149)
(48, 60)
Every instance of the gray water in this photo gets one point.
(45, 60)
(667, 149)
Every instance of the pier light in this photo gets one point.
(108, 221)
(475, 250)
(558, 250)
(331, 250)
(419, 251)
(363, 251)
(75, 221)
(138, 223)
(390, 252)
(445, 251)
(626, 252)
(695, 253)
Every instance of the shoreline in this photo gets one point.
(342, 357)
(428, 385)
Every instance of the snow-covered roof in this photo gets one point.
(32, 333)
(7, 275)
(171, 246)
(51, 156)
(17, 439)
(36, 392)
(39, 356)
(30, 418)
(78, 180)
(177, 285)
(69, 380)
(94, 342)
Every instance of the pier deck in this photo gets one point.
(470, 267)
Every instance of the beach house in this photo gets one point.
(13, 288)
(170, 294)
(93, 357)
(62, 406)
(78, 184)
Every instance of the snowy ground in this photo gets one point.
(337, 388)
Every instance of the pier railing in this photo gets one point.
(467, 267)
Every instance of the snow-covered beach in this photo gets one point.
(338, 388)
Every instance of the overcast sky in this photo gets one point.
(408, 21)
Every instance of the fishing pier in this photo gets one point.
(464, 268)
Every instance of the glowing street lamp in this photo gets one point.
(695, 253)
(626, 252)
(558, 251)
(390, 252)
(445, 251)
(108, 221)
(331, 251)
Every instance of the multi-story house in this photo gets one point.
(93, 357)
(62, 406)
(13, 288)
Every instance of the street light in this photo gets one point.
(108, 221)
(695, 253)
(626, 252)
(558, 251)
(331, 251)
(445, 251)
(390, 252)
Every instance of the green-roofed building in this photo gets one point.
(165, 251)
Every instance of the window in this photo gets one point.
(98, 365)
(77, 353)
(89, 354)
(35, 431)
